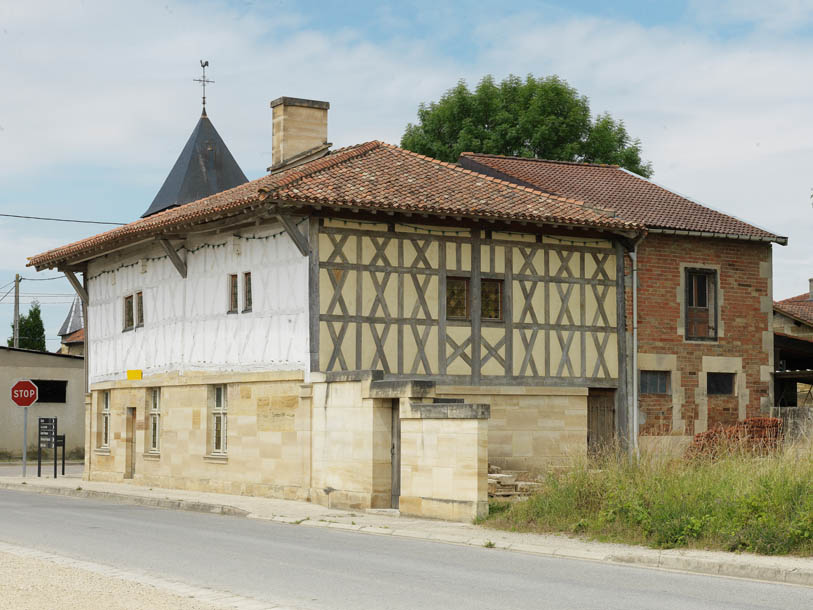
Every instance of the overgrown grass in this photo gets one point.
(739, 502)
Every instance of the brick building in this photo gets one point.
(703, 345)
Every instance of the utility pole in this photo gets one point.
(17, 310)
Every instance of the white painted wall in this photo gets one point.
(186, 326)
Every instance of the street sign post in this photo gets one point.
(49, 439)
(24, 393)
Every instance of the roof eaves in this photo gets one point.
(769, 236)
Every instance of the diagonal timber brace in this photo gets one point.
(296, 235)
(174, 257)
(77, 286)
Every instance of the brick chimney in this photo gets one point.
(299, 131)
(810, 284)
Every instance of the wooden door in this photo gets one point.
(130, 428)
(395, 452)
(600, 420)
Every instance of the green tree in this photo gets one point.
(32, 331)
(535, 117)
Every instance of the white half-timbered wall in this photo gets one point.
(186, 324)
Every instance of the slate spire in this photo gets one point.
(204, 167)
(74, 320)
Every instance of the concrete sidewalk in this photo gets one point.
(791, 570)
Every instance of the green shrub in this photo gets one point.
(739, 502)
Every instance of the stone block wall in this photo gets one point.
(351, 463)
(444, 461)
(530, 428)
(268, 435)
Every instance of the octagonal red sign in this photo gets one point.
(24, 393)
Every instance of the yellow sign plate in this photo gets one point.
(134, 375)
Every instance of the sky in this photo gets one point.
(97, 98)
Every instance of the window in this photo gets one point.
(104, 441)
(701, 308)
(219, 420)
(458, 300)
(491, 299)
(139, 307)
(721, 384)
(655, 382)
(51, 390)
(129, 319)
(155, 421)
(247, 292)
(233, 294)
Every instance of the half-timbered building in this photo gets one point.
(699, 308)
(363, 327)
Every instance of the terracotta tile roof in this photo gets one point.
(75, 337)
(799, 307)
(370, 176)
(631, 196)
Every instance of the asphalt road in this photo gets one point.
(319, 568)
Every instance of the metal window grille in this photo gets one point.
(655, 382)
(720, 384)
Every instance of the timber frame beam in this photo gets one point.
(77, 286)
(295, 234)
(179, 264)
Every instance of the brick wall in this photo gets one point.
(744, 288)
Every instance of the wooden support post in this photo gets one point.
(300, 240)
(174, 257)
(80, 290)
(622, 418)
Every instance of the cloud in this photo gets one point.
(102, 93)
(774, 16)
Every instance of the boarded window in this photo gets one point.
(701, 308)
(720, 383)
(139, 307)
(491, 299)
(247, 292)
(655, 382)
(51, 390)
(233, 294)
(457, 298)
(129, 316)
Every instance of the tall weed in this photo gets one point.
(738, 502)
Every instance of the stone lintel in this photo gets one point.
(456, 410)
(402, 388)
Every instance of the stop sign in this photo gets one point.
(24, 393)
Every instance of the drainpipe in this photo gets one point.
(634, 418)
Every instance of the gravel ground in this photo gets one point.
(28, 583)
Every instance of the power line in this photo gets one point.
(88, 222)
(39, 279)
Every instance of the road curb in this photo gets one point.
(172, 504)
(733, 566)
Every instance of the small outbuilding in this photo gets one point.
(60, 379)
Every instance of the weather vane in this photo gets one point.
(203, 81)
